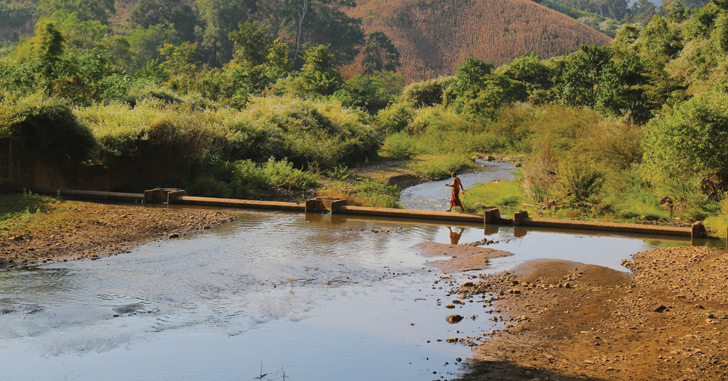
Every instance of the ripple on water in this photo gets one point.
(317, 296)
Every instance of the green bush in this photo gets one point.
(507, 195)
(427, 93)
(320, 134)
(376, 193)
(50, 124)
(251, 180)
(440, 166)
(400, 145)
(395, 118)
(580, 180)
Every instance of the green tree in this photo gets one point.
(307, 23)
(621, 89)
(252, 43)
(318, 72)
(660, 41)
(689, 140)
(146, 43)
(581, 74)
(372, 93)
(172, 13)
(221, 17)
(87, 10)
(51, 45)
(641, 12)
(380, 54)
(530, 70)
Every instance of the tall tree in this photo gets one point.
(221, 17)
(87, 10)
(312, 23)
(581, 74)
(380, 54)
(174, 13)
(252, 43)
(50, 48)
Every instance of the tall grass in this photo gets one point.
(437, 167)
(506, 195)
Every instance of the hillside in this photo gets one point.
(434, 37)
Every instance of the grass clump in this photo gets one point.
(505, 195)
(374, 193)
(18, 209)
(437, 167)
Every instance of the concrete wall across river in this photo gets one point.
(338, 206)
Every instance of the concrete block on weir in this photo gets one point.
(492, 216)
(519, 217)
(324, 204)
(698, 230)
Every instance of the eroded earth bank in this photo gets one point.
(76, 230)
(566, 321)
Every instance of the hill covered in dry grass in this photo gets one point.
(435, 36)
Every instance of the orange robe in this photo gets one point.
(455, 198)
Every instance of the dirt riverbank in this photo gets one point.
(75, 230)
(570, 321)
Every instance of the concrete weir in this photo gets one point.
(337, 206)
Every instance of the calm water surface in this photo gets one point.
(302, 298)
(436, 196)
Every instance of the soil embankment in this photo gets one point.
(76, 230)
(567, 321)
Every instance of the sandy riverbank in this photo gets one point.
(570, 321)
(76, 230)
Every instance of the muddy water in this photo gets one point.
(436, 196)
(291, 297)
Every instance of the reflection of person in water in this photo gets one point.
(456, 186)
(455, 237)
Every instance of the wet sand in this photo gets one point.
(78, 230)
(570, 321)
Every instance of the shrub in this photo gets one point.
(251, 180)
(376, 194)
(508, 194)
(50, 124)
(427, 93)
(440, 166)
(580, 180)
(400, 145)
(395, 118)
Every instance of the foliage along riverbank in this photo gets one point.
(633, 131)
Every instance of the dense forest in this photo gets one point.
(609, 16)
(253, 97)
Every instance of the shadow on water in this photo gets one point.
(507, 371)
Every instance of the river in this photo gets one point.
(271, 296)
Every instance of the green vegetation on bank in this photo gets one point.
(22, 209)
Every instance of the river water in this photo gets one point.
(436, 196)
(278, 295)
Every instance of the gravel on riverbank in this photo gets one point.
(76, 230)
(571, 321)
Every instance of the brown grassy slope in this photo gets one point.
(436, 36)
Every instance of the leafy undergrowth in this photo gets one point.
(28, 213)
(437, 167)
(505, 195)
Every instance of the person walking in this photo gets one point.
(456, 186)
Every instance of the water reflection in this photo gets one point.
(320, 296)
(454, 236)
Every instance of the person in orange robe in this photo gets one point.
(456, 186)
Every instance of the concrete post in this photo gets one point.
(519, 217)
(492, 216)
(698, 230)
